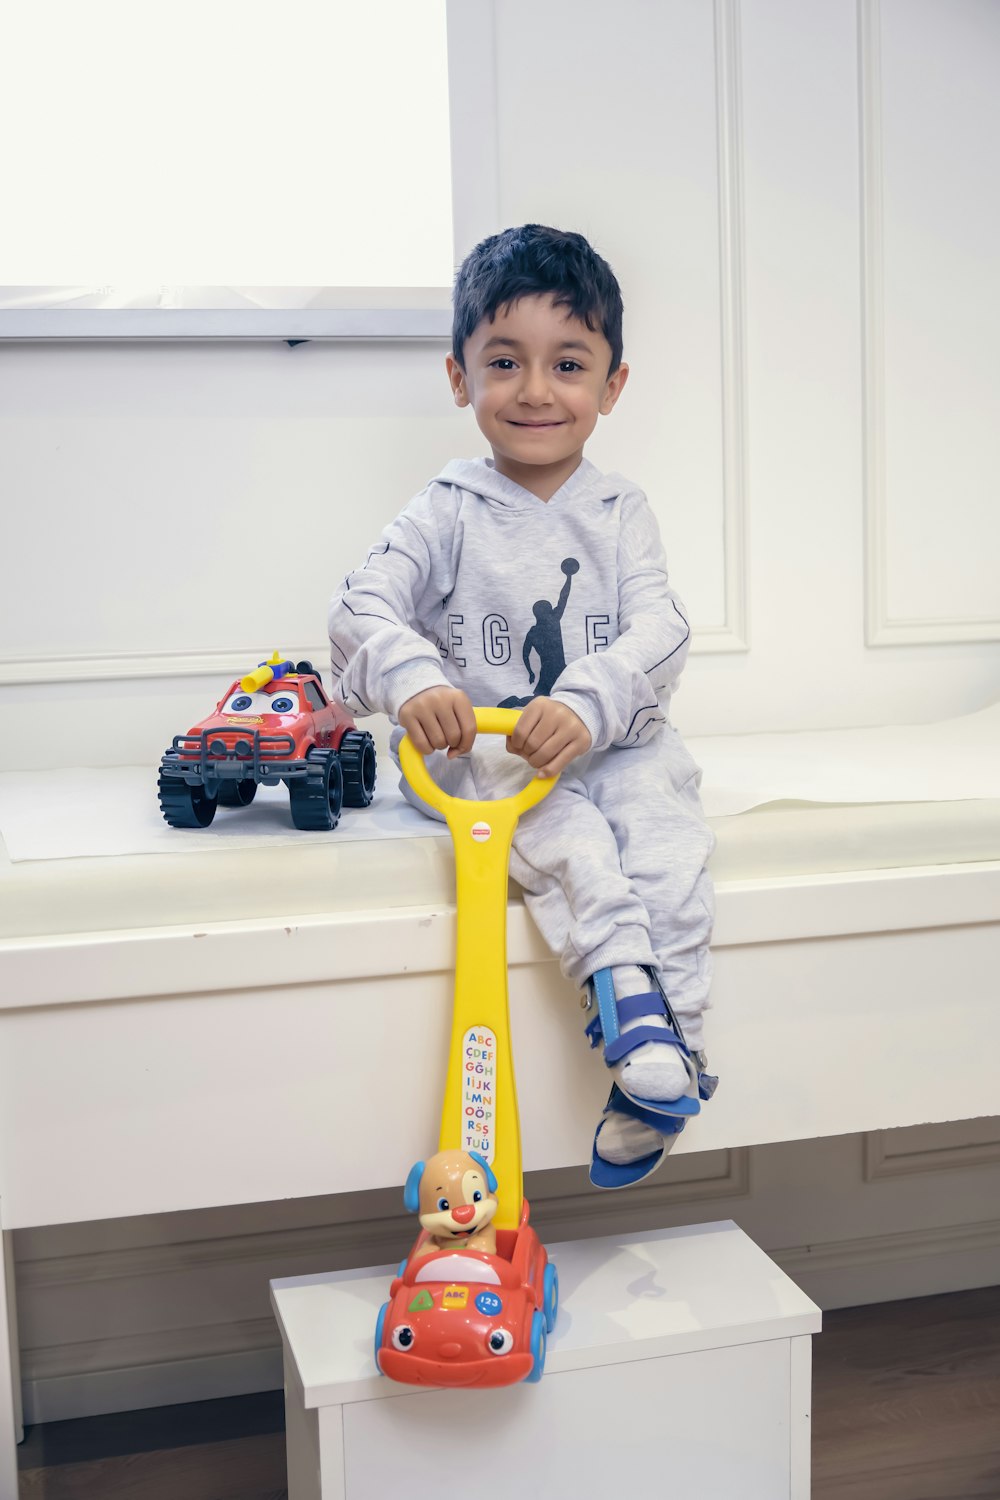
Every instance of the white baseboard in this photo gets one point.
(92, 1393)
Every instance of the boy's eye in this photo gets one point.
(502, 364)
(567, 366)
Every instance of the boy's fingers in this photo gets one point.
(467, 725)
(524, 726)
(458, 737)
(418, 739)
(435, 732)
(547, 750)
(558, 762)
(450, 727)
(536, 735)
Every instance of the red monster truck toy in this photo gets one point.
(276, 724)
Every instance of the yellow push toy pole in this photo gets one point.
(480, 1099)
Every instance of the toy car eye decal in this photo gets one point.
(443, 1205)
(247, 703)
(281, 703)
(500, 1341)
(402, 1337)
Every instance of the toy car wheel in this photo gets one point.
(237, 793)
(538, 1346)
(185, 806)
(357, 756)
(380, 1332)
(316, 800)
(550, 1296)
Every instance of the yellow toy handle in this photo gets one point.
(480, 1099)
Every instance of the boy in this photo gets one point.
(532, 580)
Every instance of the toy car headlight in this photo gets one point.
(402, 1337)
(217, 747)
(500, 1341)
(244, 748)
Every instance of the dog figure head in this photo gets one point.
(454, 1193)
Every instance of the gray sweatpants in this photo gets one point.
(612, 863)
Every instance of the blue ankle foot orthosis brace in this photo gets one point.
(666, 1116)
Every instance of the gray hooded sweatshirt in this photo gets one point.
(480, 584)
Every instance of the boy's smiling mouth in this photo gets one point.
(515, 423)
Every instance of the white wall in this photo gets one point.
(165, 507)
(809, 294)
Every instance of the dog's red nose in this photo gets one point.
(464, 1213)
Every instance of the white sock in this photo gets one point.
(621, 1139)
(654, 1070)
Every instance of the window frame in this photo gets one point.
(398, 314)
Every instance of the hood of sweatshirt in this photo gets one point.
(480, 477)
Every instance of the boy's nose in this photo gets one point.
(535, 388)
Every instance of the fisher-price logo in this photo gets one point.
(481, 832)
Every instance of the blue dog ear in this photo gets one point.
(491, 1181)
(411, 1192)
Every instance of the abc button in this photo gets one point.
(489, 1303)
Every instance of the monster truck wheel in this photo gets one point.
(316, 801)
(185, 806)
(357, 757)
(237, 793)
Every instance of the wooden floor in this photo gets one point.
(906, 1400)
(906, 1407)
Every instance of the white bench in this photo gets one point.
(216, 1004)
(688, 1351)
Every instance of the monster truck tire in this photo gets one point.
(237, 793)
(316, 801)
(357, 757)
(185, 806)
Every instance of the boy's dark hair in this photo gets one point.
(531, 261)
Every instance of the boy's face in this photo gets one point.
(537, 380)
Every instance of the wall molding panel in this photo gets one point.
(889, 1249)
(130, 666)
(240, 1356)
(734, 633)
(899, 1153)
(569, 1215)
(880, 628)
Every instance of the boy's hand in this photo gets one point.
(548, 736)
(440, 718)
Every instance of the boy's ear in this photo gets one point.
(456, 377)
(613, 390)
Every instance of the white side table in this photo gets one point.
(685, 1354)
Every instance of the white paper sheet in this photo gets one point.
(954, 760)
(65, 814)
(72, 813)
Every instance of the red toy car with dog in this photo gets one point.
(274, 725)
(468, 1318)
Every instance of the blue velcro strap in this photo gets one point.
(635, 1038)
(621, 1104)
(607, 1009)
(594, 1032)
(634, 1007)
